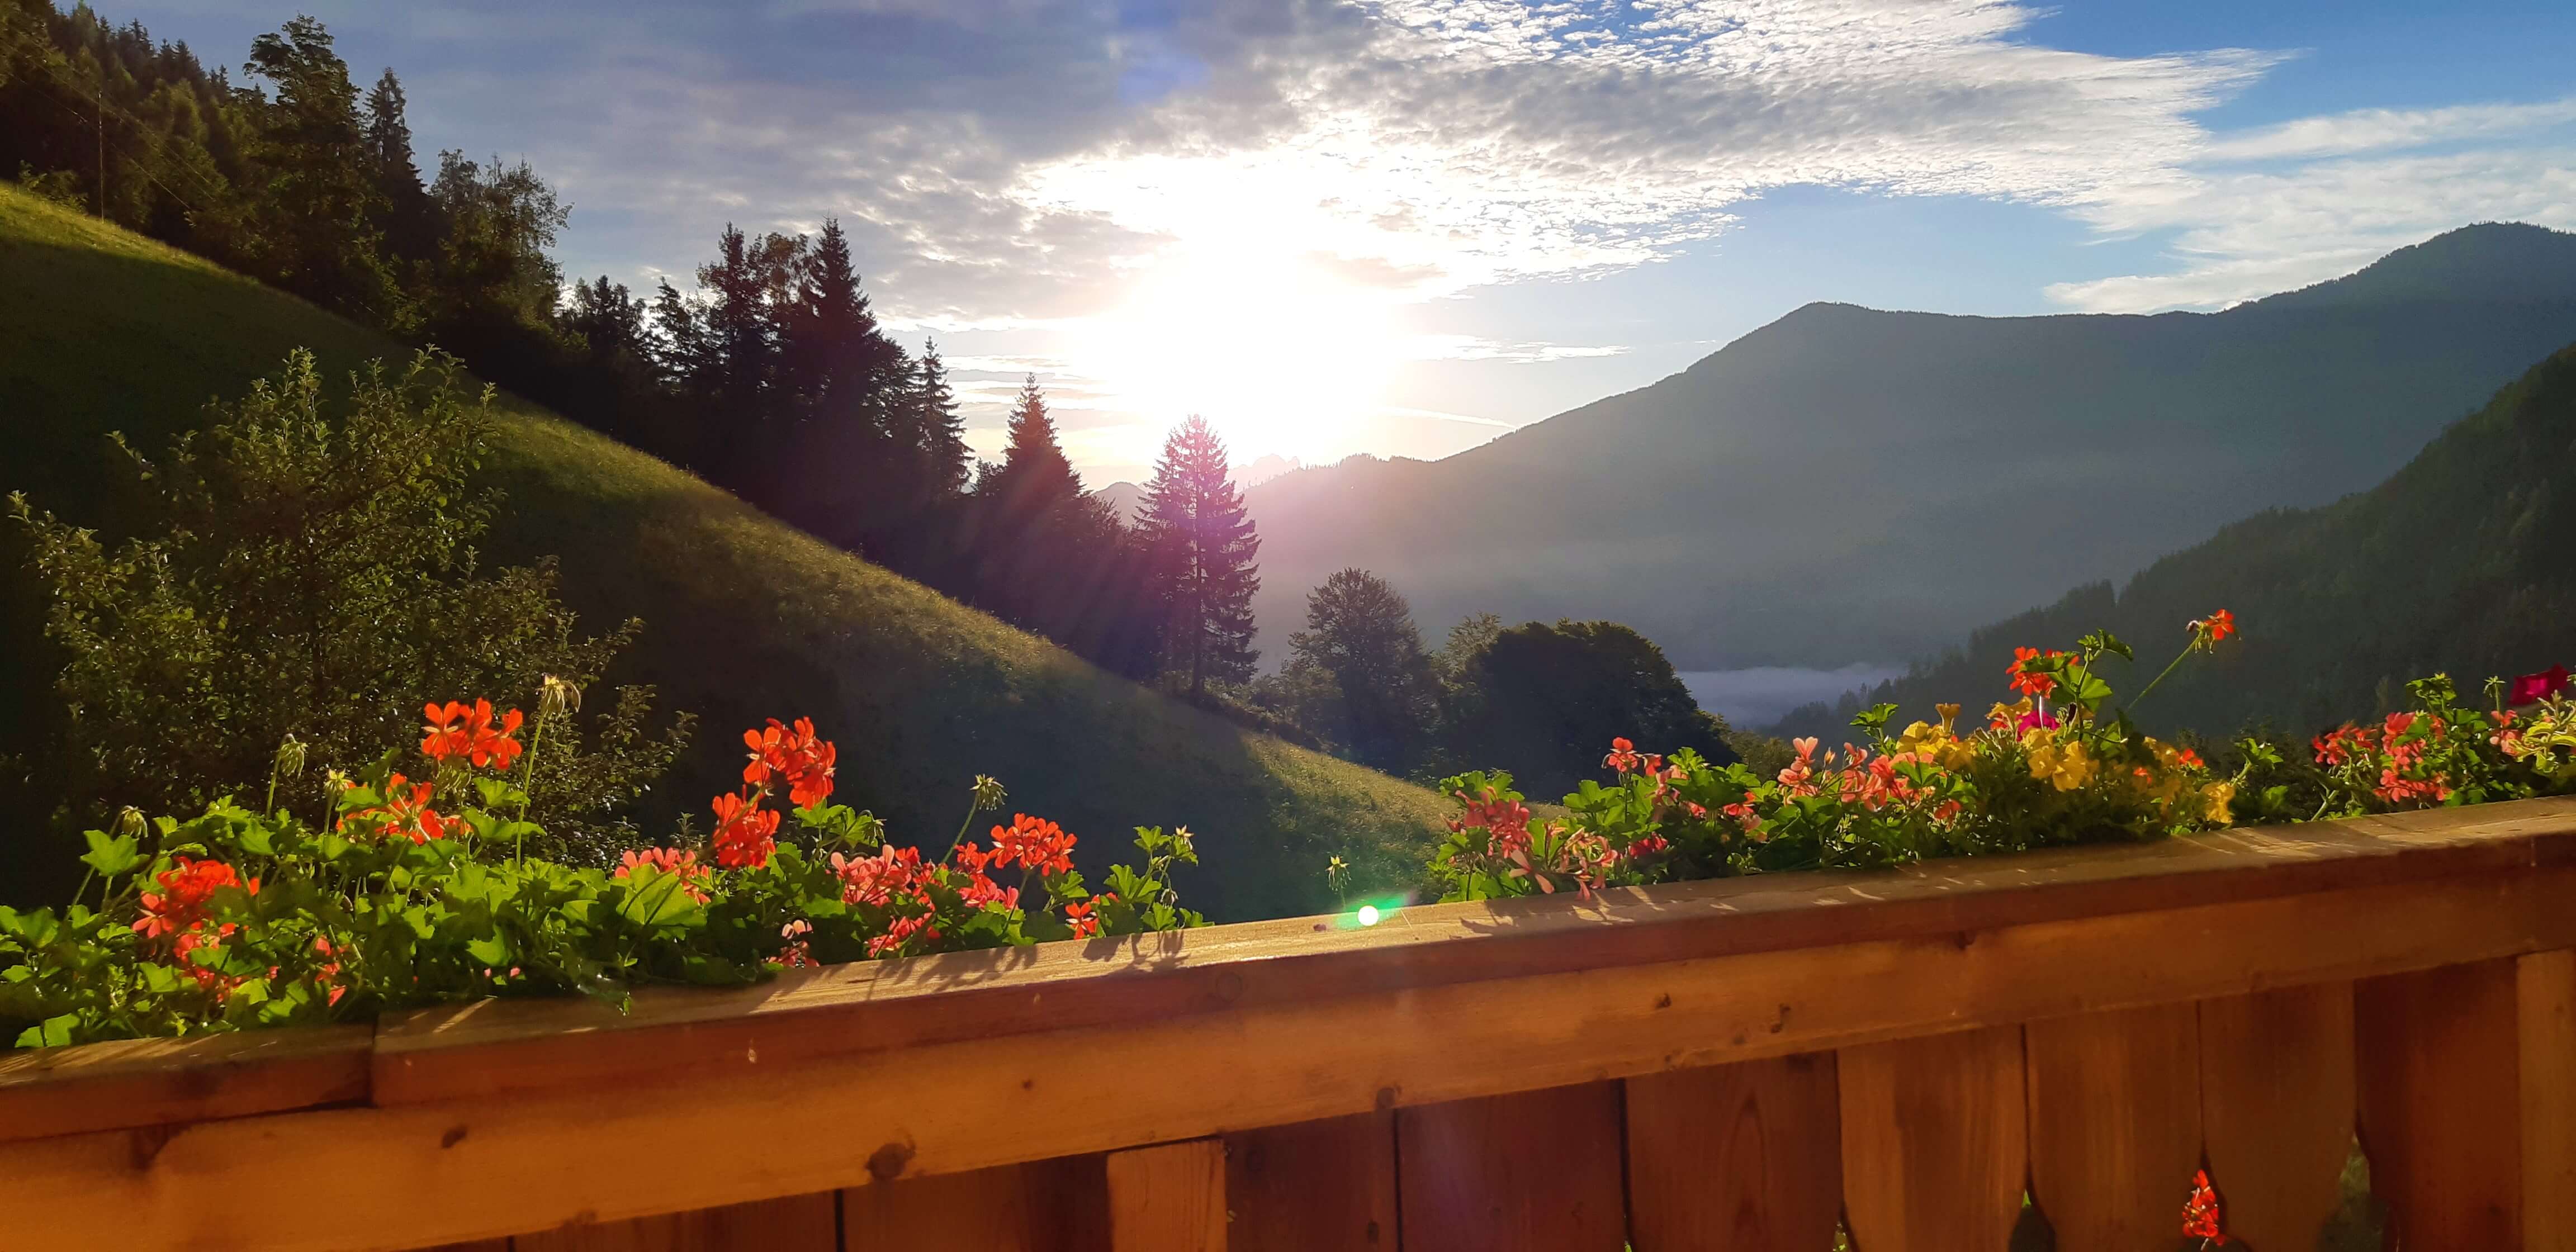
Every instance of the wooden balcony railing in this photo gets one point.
(1727, 1065)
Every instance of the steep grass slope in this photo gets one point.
(744, 618)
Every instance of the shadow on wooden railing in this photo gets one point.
(1733, 1065)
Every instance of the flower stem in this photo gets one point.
(528, 783)
(962, 827)
(2170, 667)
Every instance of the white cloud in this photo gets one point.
(2379, 130)
(2246, 234)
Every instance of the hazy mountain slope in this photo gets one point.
(2462, 562)
(1847, 484)
(745, 618)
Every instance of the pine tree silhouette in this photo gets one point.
(1202, 546)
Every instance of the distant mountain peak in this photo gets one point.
(2488, 261)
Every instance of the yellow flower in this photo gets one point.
(2217, 795)
(1949, 714)
(2065, 766)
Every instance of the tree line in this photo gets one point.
(771, 376)
(1541, 700)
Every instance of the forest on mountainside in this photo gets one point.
(2456, 564)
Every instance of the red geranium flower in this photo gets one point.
(2200, 1212)
(796, 754)
(457, 730)
(187, 887)
(2533, 688)
(2026, 680)
(1034, 842)
(745, 833)
(1623, 756)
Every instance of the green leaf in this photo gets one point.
(110, 855)
(489, 950)
(53, 1032)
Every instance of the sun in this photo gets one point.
(1276, 352)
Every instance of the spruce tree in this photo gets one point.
(1202, 545)
(410, 231)
(933, 428)
(1035, 474)
(317, 214)
(842, 366)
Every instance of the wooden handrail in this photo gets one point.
(549, 1111)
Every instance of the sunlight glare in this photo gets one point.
(1277, 354)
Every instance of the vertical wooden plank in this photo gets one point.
(2437, 1053)
(2546, 1010)
(2276, 1093)
(1934, 1133)
(1736, 1158)
(1168, 1198)
(2114, 1124)
(1532, 1172)
(1060, 1205)
(803, 1223)
(1321, 1186)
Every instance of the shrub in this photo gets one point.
(299, 569)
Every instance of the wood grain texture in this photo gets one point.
(2276, 1101)
(1735, 1158)
(2545, 991)
(2114, 1124)
(146, 1082)
(2437, 1053)
(537, 1159)
(1059, 1205)
(1934, 1132)
(1321, 1186)
(1168, 1198)
(804, 1223)
(1535, 1172)
(486, 1048)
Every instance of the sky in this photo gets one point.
(1402, 227)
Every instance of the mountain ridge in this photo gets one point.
(1849, 484)
(2457, 563)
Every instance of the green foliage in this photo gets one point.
(2457, 563)
(240, 919)
(2064, 764)
(318, 209)
(293, 569)
(749, 618)
(1361, 648)
(1541, 699)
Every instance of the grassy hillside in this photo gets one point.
(745, 618)
(2462, 562)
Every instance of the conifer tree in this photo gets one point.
(1035, 474)
(1202, 545)
(843, 366)
(933, 428)
(410, 233)
(318, 211)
